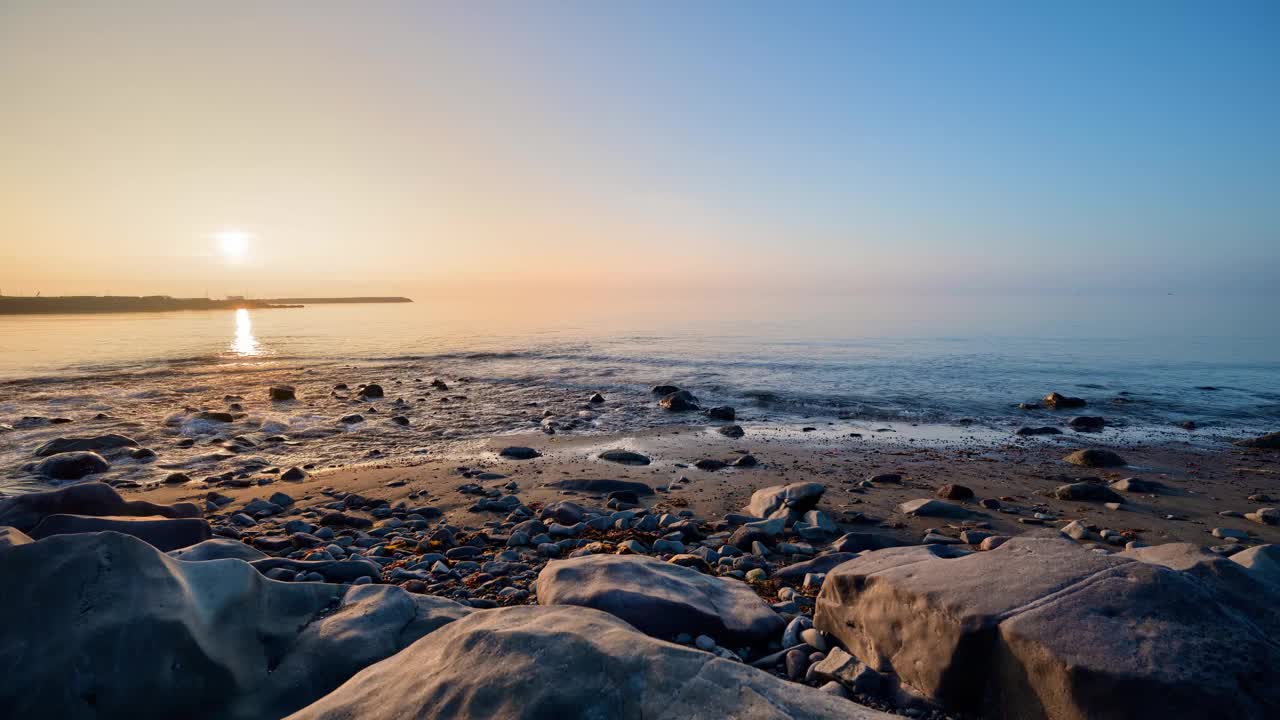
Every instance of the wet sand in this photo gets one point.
(1201, 479)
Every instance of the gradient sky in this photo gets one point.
(417, 148)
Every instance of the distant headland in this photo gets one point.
(81, 304)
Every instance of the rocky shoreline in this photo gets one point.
(688, 571)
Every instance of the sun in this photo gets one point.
(233, 244)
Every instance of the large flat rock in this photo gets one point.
(1042, 628)
(102, 626)
(660, 599)
(24, 512)
(533, 663)
(159, 532)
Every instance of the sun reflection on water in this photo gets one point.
(244, 344)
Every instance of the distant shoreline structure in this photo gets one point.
(90, 304)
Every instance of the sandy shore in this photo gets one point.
(1201, 480)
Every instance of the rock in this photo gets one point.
(746, 461)
(842, 667)
(596, 399)
(176, 478)
(1137, 485)
(25, 512)
(293, 474)
(162, 533)
(1262, 563)
(1060, 402)
(663, 390)
(1087, 492)
(857, 542)
(101, 443)
(280, 393)
(215, 416)
(602, 486)
(372, 390)
(204, 640)
(710, 465)
(571, 663)
(722, 412)
(1095, 458)
(400, 420)
(886, 478)
(624, 457)
(13, 537)
(72, 465)
(660, 599)
(1270, 441)
(955, 492)
(142, 454)
(334, 571)
(516, 452)
(731, 431)
(1265, 516)
(1087, 423)
(1042, 628)
(928, 507)
(1229, 533)
(351, 419)
(785, 501)
(821, 564)
(1044, 430)
(217, 549)
(679, 401)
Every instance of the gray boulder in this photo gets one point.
(929, 507)
(164, 534)
(72, 465)
(821, 564)
(530, 663)
(1094, 458)
(218, 549)
(1088, 492)
(785, 501)
(24, 512)
(104, 626)
(1042, 628)
(660, 599)
(101, 443)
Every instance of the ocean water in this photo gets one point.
(1140, 362)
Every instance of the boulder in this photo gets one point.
(519, 453)
(1270, 441)
(100, 443)
(928, 507)
(1094, 458)
(1088, 492)
(679, 401)
(857, 542)
(722, 412)
(624, 457)
(280, 393)
(12, 537)
(786, 501)
(217, 549)
(731, 431)
(1137, 485)
(955, 492)
(602, 486)
(1058, 401)
(1042, 628)
(372, 390)
(72, 465)
(105, 626)
(1044, 430)
(660, 599)
(531, 663)
(24, 512)
(1263, 562)
(164, 534)
(1087, 423)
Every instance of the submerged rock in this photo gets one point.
(1270, 441)
(659, 598)
(1059, 402)
(72, 465)
(531, 663)
(679, 401)
(100, 443)
(1087, 423)
(1026, 431)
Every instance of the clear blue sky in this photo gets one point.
(966, 145)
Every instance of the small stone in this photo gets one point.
(704, 643)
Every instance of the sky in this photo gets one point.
(317, 148)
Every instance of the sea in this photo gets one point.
(521, 364)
